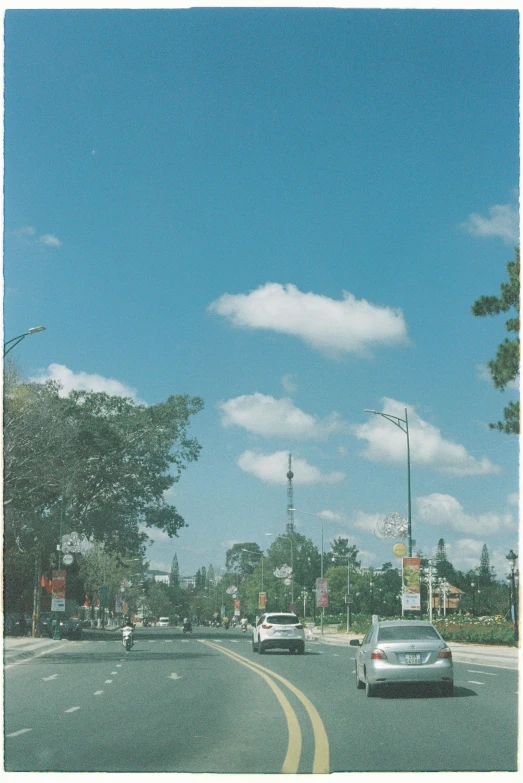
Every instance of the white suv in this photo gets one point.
(278, 629)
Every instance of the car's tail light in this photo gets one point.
(445, 652)
(378, 654)
(299, 625)
(266, 625)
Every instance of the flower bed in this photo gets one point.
(456, 628)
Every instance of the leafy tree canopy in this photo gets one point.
(504, 368)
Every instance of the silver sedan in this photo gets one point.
(403, 651)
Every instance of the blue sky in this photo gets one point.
(290, 214)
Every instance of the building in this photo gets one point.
(452, 602)
(159, 576)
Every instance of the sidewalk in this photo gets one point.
(487, 655)
(19, 648)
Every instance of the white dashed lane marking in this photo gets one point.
(72, 709)
(108, 680)
(475, 682)
(485, 674)
(97, 693)
(17, 733)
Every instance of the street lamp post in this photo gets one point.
(512, 557)
(472, 588)
(399, 422)
(260, 554)
(429, 574)
(20, 337)
(307, 513)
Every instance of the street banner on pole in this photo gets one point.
(237, 608)
(104, 595)
(322, 593)
(58, 592)
(411, 593)
(262, 600)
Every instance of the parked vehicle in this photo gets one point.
(278, 630)
(163, 622)
(17, 624)
(403, 652)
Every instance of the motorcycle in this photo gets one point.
(187, 628)
(244, 627)
(145, 622)
(127, 637)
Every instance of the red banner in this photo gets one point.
(322, 592)
(58, 584)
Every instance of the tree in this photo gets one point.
(340, 551)
(505, 367)
(485, 571)
(90, 462)
(444, 567)
(240, 562)
(174, 579)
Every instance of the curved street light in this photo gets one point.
(399, 422)
(20, 337)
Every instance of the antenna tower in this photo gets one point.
(290, 499)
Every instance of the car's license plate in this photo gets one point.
(412, 658)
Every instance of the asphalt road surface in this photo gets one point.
(209, 704)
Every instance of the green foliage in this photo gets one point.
(504, 368)
(89, 462)
(241, 562)
(490, 630)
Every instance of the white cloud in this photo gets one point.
(328, 325)
(444, 510)
(272, 468)
(513, 499)
(49, 240)
(83, 381)
(27, 234)
(465, 555)
(288, 384)
(503, 222)
(386, 443)
(264, 415)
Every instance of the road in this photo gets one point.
(208, 703)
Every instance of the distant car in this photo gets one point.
(396, 652)
(278, 630)
(71, 628)
(163, 621)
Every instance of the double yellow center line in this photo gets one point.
(320, 764)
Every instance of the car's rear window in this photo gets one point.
(283, 619)
(407, 633)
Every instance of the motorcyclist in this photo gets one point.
(243, 623)
(187, 625)
(128, 624)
